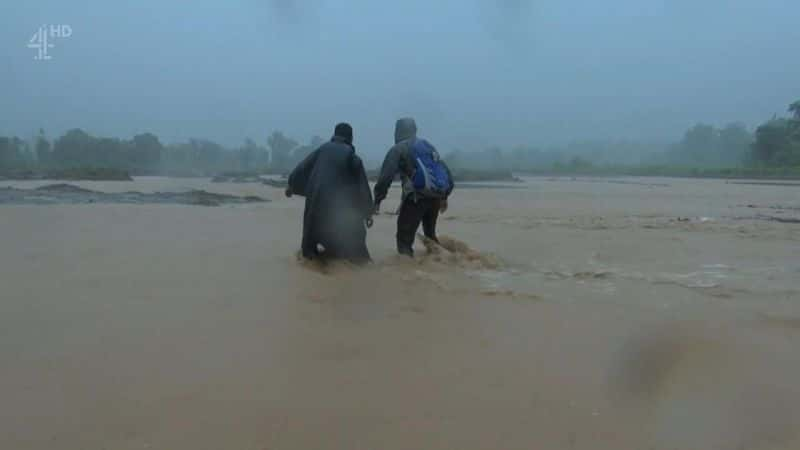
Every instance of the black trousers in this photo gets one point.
(412, 212)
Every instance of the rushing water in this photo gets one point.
(586, 313)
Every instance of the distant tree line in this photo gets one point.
(774, 145)
(778, 141)
(145, 154)
(704, 145)
(14, 152)
(575, 154)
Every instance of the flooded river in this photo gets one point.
(567, 313)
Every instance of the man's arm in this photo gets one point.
(390, 167)
(298, 179)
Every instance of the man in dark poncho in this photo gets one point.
(338, 200)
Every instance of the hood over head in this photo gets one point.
(406, 128)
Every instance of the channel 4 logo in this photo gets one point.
(44, 39)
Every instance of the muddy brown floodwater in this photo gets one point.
(563, 313)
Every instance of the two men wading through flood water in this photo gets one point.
(339, 205)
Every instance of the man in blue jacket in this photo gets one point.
(426, 180)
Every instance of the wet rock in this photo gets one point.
(75, 174)
(236, 178)
(70, 194)
(282, 184)
(766, 183)
(64, 188)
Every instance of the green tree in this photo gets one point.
(777, 142)
(146, 152)
(794, 108)
(11, 152)
(280, 147)
(107, 152)
(43, 149)
(72, 149)
(205, 154)
(772, 139)
(699, 144)
(248, 153)
(734, 144)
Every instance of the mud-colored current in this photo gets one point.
(585, 314)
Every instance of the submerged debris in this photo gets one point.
(778, 219)
(492, 185)
(74, 174)
(610, 181)
(765, 183)
(778, 208)
(283, 184)
(239, 178)
(70, 194)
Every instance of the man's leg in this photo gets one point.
(354, 245)
(310, 239)
(361, 256)
(308, 246)
(429, 217)
(407, 225)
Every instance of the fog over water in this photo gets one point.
(475, 73)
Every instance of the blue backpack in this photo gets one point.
(430, 177)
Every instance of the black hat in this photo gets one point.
(345, 131)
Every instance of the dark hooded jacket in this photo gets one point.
(338, 201)
(400, 161)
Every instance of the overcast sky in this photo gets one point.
(473, 72)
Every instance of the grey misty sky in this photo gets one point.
(473, 72)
